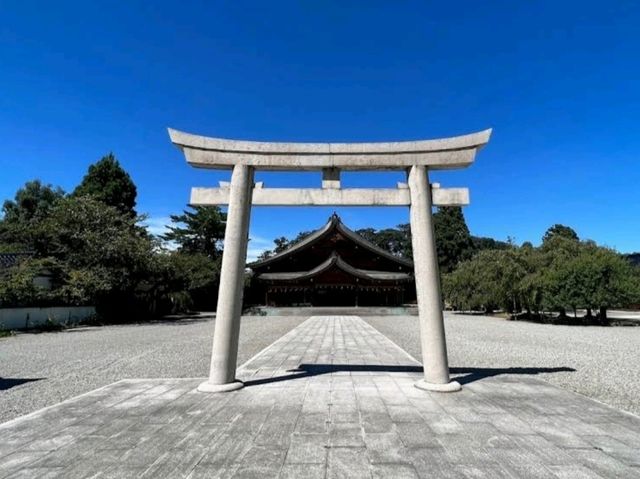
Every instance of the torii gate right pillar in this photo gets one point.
(427, 279)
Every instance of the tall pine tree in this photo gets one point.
(453, 240)
(202, 230)
(109, 183)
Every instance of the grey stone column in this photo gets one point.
(222, 376)
(427, 276)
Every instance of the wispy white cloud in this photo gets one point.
(157, 225)
(257, 246)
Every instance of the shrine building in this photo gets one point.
(333, 266)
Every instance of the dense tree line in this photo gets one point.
(562, 274)
(92, 244)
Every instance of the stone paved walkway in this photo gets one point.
(333, 398)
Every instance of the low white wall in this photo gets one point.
(26, 318)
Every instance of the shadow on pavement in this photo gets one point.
(469, 374)
(476, 374)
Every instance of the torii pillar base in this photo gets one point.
(207, 387)
(450, 387)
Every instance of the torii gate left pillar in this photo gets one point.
(414, 157)
(224, 354)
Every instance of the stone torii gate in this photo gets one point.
(245, 157)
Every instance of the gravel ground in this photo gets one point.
(58, 366)
(606, 360)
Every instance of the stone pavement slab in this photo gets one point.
(333, 398)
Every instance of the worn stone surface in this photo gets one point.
(442, 153)
(224, 354)
(427, 277)
(332, 398)
(329, 196)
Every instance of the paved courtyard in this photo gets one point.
(40, 370)
(331, 398)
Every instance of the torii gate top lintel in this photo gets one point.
(436, 154)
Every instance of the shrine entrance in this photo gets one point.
(243, 158)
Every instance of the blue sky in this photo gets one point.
(558, 81)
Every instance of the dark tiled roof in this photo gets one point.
(336, 261)
(7, 260)
(334, 223)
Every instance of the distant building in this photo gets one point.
(10, 260)
(333, 266)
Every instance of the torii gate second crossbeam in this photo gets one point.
(245, 157)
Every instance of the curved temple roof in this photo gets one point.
(443, 153)
(338, 262)
(333, 223)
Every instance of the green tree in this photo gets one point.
(18, 287)
(20, 224)
(282, 244)
(84, 286)
(533, 283)
(481, 243)
(32, 202)
(561, 231)
(368, 233)
(107, 257)
(596, 278)
(464, 288)
(453, 240)
(395, 240)
(202, 231)
(556, 251)
(108, 182)
(490, 279)
(635, 284)
(192, 281)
